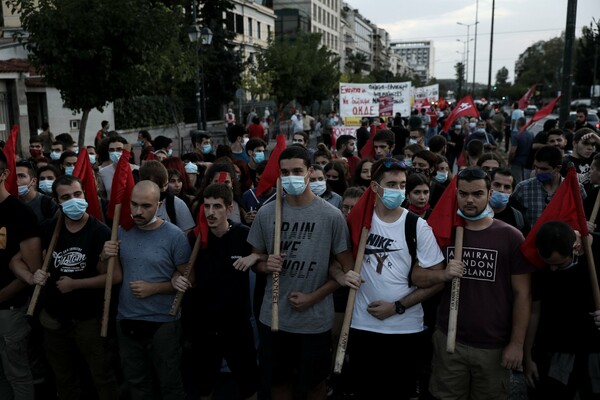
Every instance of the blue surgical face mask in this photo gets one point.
(259, 156)
(55, 155)
(408, 162)
(23, 190)
(294, 185)
(499, 199)
(441, 176)
(141, 142)
(488, 212)
(69, 170)
(392, 198)
(544, 177)
(206, 149)
(92, 158)
(114, 157)
(74, 208)
(191, 168)
(412, 141)
(46, 186)
(170, 152)
(75, 150)
(318, 187)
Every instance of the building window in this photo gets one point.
(258, 33)
(249, 26)
(268, 31)
(230, 21)
(239, 24)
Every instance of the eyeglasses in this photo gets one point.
(473, 172)
(389, 164)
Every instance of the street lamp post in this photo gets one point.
(468, 36)
(201, 37)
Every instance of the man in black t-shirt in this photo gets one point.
(221, 300)
(74, 283)
(18, 233)
(584, 149)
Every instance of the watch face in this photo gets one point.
(400, 308)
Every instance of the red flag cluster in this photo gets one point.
(10, 151)
(566, 205)
(83, 170)
(120, 193)
(465, 108)
(524, 101)
(545, 111)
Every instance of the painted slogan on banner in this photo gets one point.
(363, 99)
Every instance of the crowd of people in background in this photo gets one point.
(513, 317)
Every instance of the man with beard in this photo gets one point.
(345, 146)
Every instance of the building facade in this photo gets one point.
(419, 56)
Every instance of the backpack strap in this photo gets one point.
(410, 233)
(170, 206)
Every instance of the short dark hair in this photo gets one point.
(29, 166)
(489, 156)
(161, 142)
(415, 180)
(35, 139)
(66, 139)
(556, 131)
(235, 131)
(295, 152)
(45, 168)
(103, 124)
(66, 180)
(555, 236)
(549, 154)
(437, 143)
(254, 143)
(145, 135)
(384, 165)
(385, 135)
(343, 140)
(155, 171)
(581, 133)
(428, 156)
(66, 154)
(550, 124)
(353, 192)
(569, 124)
(582, 110)
(219, 191)
(303, 134)
(502, 171)
(471, 174)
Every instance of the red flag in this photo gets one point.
(566, 205)
(361, 216)
(368, 150)
(464, 108)
(150, 156)
(202, 227)
(443, 218)
(10, 151)
(524, 101)
(120, 192)
(83, 170)
(442, 103)
(269, 177)
(546, 110)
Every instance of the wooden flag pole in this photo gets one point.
(276, 251)
(345, 332)
(53, 240)
(110, 271)
(455, 294)
(186, 274)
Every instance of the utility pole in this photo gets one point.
(489, 88)
(567, 73)
(475, 46)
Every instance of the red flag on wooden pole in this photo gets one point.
(269, 177)
(10, 151)
(120, 192)
(83, 170)
(465, 108)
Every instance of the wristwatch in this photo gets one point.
(399, 307)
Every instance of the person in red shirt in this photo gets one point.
(255, 129)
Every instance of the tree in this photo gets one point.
(94, 52)
(357, 63)
(541, 63)
(460, 77)
(502, 78)
(300, 68)
(222, 64)
(587, 56)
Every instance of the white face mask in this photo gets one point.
(318, 187)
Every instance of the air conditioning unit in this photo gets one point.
(75, 124)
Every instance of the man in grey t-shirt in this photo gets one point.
(312, 231)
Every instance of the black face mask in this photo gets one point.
(338, 186)
(421, 171)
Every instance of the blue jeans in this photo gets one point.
(16, 381)
(161, 352)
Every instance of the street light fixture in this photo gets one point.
(202, 37)
(468, 36)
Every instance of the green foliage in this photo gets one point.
(97, 51)
(300, 69)
(145, 111)
(356, 63)
(587, 55)
(542, 63)
(460, 78)
(502, 78)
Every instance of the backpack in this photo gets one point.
(410, 233)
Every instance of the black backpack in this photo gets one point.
(410, 232)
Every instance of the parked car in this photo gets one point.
(581, 102)
(531, 110)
